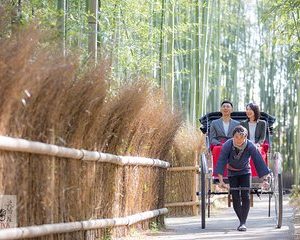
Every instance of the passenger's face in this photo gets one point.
(239, 139)
(226, 109)
(249, 112)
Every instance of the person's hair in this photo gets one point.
(240, 130)
(255, 108)
(226, 101)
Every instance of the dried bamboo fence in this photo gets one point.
(182, 180)
(78, 206)
(182, 185)
(47, 229)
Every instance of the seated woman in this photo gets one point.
(256, 131)
(256, 127)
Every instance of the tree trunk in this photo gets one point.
(16, 14)
(297, 151)
(161, 44)
(61, 23)
(92, 6)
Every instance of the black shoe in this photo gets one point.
(242, 228)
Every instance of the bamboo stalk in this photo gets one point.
(61, 23)
(22, 145)
(46, 229)
(93, 28)
(297, 150)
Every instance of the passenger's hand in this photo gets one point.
(265, 184)
(223, 185)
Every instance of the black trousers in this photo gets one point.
(240, 198)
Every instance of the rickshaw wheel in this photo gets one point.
(203, 169)
(278, 198)
(276, 187)
(208, 197)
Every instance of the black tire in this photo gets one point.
(276, 187)
(208, 198)
(278, 201)
(269, 208)
(203, 190)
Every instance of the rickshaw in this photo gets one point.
(273, 160)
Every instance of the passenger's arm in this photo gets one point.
(262, 135)
(213, 138)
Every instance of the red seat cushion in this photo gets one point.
(216, 150)
(263, 151)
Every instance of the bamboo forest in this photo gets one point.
(120, 87)
(198, 52)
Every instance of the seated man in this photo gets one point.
(221, 129)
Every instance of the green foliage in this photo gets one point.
(146, 187)
(47, 15)
(295, 196)
(281, 22)
(285, 22)
(106, 237)
(44, 12)
(198, 54)
(128, 31)
(155, 226)
(295, 192)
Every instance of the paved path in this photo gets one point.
(223, 224)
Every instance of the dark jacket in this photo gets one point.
(217, 133)
(242, 164)
(260, 131)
